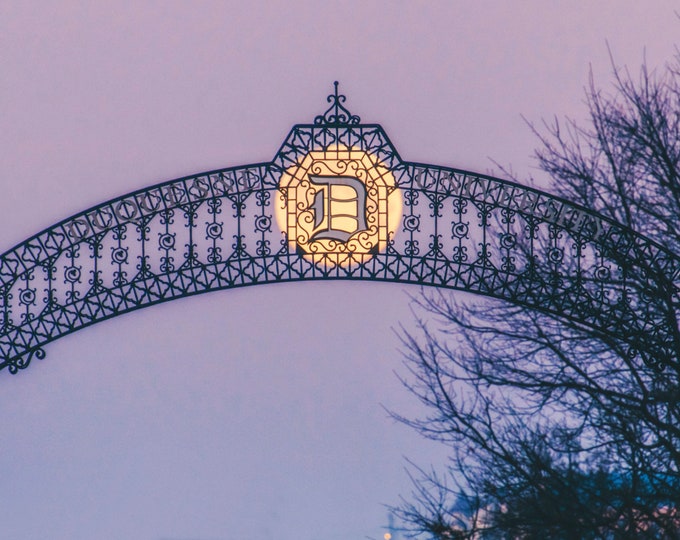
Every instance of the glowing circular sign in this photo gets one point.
(339, 206)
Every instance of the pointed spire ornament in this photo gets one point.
(337, 114)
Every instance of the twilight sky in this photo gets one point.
(251, 413)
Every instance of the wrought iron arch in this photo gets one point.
(262, 223)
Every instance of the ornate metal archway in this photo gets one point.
(336, 202)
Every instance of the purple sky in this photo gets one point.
(251, 413)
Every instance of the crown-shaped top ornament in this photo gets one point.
(337, 114)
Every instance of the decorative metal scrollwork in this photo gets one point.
(22, 362)
(336, 202)
(337, 114)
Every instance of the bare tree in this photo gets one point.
(556, 430)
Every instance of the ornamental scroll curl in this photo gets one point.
(223, 229)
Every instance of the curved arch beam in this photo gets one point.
(218, 230)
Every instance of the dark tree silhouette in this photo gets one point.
(555, 430)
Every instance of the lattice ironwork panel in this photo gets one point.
(336, 202)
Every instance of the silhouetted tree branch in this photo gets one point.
(557, 430)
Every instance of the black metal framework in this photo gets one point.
(218, 230)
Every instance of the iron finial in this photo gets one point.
(337, 114)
